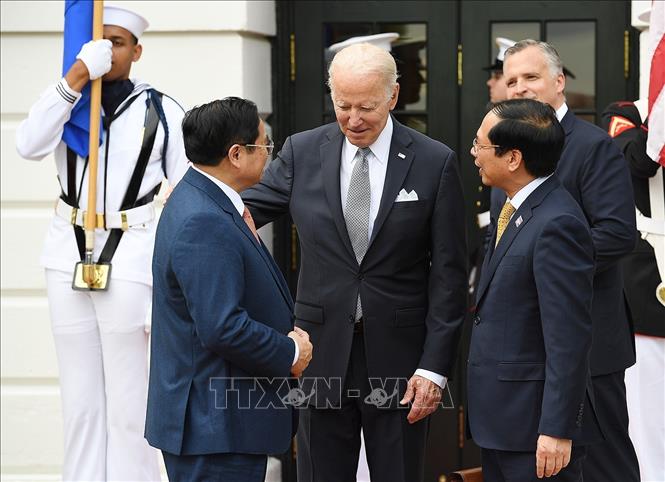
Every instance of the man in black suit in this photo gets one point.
(528, 367)
(594, 172)
(379, 212)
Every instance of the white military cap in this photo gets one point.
(135, 23)
(381, 40)
(503, 44)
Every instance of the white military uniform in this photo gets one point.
(99, 336)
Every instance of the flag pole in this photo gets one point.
(95, 114)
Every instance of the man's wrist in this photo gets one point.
(433, 377)
(297, 353)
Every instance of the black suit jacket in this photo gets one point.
(594, 172)
(528, 368)
(412, 279)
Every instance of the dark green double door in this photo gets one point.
(441, 49)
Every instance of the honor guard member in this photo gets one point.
(645, 381)
(100, 339)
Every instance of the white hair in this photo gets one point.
(365, 59)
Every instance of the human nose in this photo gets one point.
(355, 118)
(519, 88)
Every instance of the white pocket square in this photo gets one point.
(404, 196)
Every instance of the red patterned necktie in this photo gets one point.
(250, 223)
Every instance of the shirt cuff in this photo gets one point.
(433, 377)
(295, 357)
(66, 92)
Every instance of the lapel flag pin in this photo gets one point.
(518, 222)
(401, 156)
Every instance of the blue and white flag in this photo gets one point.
(78, 31)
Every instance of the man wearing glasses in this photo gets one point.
(222, 313)
(528, 368)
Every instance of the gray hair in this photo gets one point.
(365, 59)
(551, 55)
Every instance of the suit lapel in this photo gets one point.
(221, 199)
(331, 154)
(277, 274)
(396, 172)
(265, 255)
(568, 122)
(519, 220)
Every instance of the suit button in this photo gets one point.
(352, 318)
(359, 276)
(476, 320)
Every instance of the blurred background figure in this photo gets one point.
(495, 84)
(645, 381)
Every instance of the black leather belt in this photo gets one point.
(358, 326)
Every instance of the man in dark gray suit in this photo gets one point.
(379, 212)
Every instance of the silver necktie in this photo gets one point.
(356, 213)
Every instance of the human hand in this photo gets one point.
(425, 395)
(301, 337)
(552, 455)
(97, 56)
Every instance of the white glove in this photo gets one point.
(96, 55)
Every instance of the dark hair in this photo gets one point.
(532, 128)
(209, 130)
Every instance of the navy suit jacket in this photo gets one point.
(595, 173)
(528, 367)
(221, 312)
(412, 280)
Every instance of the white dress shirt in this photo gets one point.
(561, 111)
(240, 207)
(521, 195)
(378, 165)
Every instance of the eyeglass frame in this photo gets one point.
(269, 147)
(476, 147)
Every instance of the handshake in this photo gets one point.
(305, 351)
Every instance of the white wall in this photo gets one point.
(195, 51)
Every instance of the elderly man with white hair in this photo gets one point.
(379, 213)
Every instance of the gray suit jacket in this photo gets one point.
(412, 281)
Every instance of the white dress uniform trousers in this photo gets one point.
(99, 336)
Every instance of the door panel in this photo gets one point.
(444, 95)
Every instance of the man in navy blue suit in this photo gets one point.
(528, 367)
(223, 342)
(595, 173)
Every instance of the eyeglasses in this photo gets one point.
(268, 147)
(475, 147)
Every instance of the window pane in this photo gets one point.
(409, 50)
(416, 122)
(576, 44)
(514, 31)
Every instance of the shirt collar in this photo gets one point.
(524, 193)
(380, 148)
(229, 191)
(561, 111)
